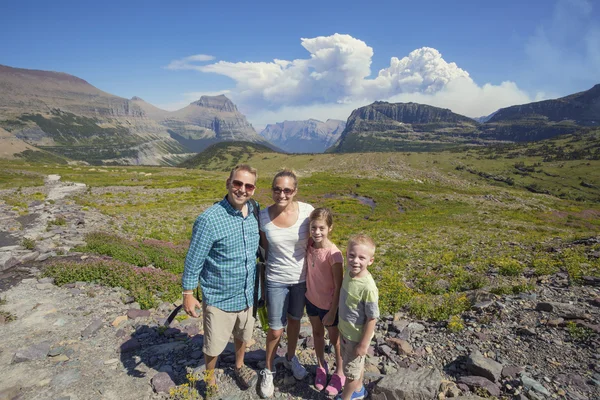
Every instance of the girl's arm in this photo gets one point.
(338, 275)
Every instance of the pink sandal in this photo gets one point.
(321, 378)
(336, 383)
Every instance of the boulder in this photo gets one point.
(420, 384)
(479, 365)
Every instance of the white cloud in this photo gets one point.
(186, 62)
(565, 50)
(335, 79)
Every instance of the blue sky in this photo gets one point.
(474, 57)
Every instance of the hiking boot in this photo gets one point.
(266, 387)
(245, 376)
(298, 369)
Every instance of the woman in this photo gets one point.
(284, 235)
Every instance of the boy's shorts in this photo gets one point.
(284, 299)
(219, 325)
(314, 311)
(353, 364)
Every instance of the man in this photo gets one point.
(222, 257)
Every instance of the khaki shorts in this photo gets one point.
(219, 325)
(353, 364)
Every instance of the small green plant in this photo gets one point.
(579, 333)
(8, 317)
(186, 391)
(438, 308)
(60, 221)
(455, 324)
(181, 317)
(508, 266)
(28, 243)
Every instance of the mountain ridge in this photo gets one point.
(304, 136)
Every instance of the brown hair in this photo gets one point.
(322, 213)
(286, 173)
(244, 167)
(363, 239)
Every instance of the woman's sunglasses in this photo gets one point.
(239, 184)
(286, 191)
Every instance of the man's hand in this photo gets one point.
(329, 318)
(189, 305)
(361, 349)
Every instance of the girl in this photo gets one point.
(324, 273)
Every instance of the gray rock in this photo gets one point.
(474, 382)
(66, 378)
(92, 328)
(532, 384)
(482, 366)
(45, 256)
(35, 352)
(134, 313)
(415, 327)
(162, 382)
(420, 384)
(7, 260)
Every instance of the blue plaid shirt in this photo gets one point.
(222, 256)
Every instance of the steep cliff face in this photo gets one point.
(582, 108)
(309, 136)
(209, 120)
(66, 115)
(384, 126)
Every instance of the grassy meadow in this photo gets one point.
(446, 223)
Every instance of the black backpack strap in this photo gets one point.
(260, 255)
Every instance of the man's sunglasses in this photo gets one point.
(286, 191)
(239, 184)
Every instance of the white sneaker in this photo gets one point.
(297, 369)
(266, 383)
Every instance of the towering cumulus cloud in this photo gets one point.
(336, 77)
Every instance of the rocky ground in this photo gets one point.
(84, 341)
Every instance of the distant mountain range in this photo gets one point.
(65, 115)
(57, 116)
(383, 126)
(310, 136)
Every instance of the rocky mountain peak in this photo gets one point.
(219, 103)
(135, 98)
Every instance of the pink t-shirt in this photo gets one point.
(320, 286)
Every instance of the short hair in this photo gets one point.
(244, 167)
(286, 173)
(363, 239)
(323, 213)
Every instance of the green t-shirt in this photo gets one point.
(358, 303)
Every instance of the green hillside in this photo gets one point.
(224, 156)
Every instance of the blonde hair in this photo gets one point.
(286, 173)
(363, 239)
(244, 167)
(322, 213)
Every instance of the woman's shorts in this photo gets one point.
(314, 311)
(284, 299)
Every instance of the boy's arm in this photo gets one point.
(368, 330)
(338, 276)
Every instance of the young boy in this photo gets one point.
(358, 313)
